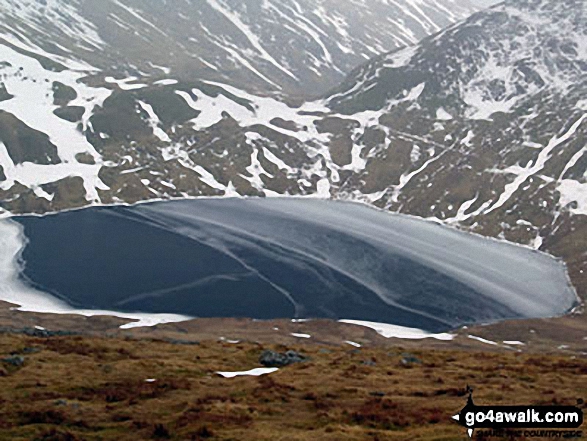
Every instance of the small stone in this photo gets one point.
(409, 360)
(377, 394)
(15, 360)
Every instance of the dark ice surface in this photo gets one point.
(287, 258)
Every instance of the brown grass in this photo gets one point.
(92, 388)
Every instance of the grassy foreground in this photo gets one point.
(96, 388)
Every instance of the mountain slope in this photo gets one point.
(495, 140)
(298, 47)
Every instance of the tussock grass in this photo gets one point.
(93, 388)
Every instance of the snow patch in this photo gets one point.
(443, 115)
(395, 331)
(572, 191)
(154, 122)
(523, 173)
(295, 334)
(124, 83)
(352, 343)
(31, 86)
(253, 372)
(514, 343)
(482, 340)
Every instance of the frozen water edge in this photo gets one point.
(455, 227)
(28, 299)
(13, 290)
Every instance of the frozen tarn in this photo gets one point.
(253, 372)
(297, 255)
(393, 331)
(14, 291)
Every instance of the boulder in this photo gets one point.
(15, 360)
(276, 359)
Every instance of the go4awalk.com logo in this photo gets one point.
(522, 421)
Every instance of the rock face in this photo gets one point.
(276, 359)
(481, 126)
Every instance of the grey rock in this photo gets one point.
(408, 360)
(276, 359)
(14, 360)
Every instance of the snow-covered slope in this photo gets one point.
(300, 47)
(503, 94)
